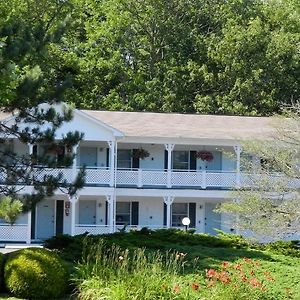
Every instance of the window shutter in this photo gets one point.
(106, 212)
(33, 222)
(193, 160)
(166, 159)
(135, 160)
(134, 213)
(165, 214)
(107, 157)
(192, 214)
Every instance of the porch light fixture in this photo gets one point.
(186, 222)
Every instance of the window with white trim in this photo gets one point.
(179, 211)
(124, 160)
(180, 160)
(123, 213)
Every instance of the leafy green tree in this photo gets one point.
(221, 57)
(10, 209)
(29, 31)
(270, 205)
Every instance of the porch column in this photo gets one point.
(73, 199)
(112, 162)
(28, 239)
(74, 164)
(110, 211)
(30, 149)
(169, 148)
(238, 150)
(168, 200)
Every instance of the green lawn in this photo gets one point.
(204, 252)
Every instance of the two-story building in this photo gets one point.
(142, 170)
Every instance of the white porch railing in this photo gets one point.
(14, 233)
(96, 176)
(91, 229)
(159, 178)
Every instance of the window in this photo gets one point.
(123, 213)
(124, 159)
(53, 153)
(179, 211)
(181, 160)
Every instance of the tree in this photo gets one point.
(28, 34)
(10, 209)
(220, 57)
(271, 205)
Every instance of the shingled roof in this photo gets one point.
(173, 125)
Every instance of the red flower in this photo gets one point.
(255, 282)
(195, 286)
(225, 264)
(176, 288)
(238, 267)
(248, 260)
(211, 273)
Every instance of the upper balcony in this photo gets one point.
(175, 168)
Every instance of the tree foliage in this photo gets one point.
(270, 206)
(10, 209)
(221, 57)
(29, 30)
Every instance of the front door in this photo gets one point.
(45, 219)
(87, 212)
(88, 156)
(212, 219)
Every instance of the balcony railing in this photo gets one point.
(155, 178)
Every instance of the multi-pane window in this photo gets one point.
(180, 160)
(124, 159)
(179, 211)
(123, 213)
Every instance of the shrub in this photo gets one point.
(59, 242)
(2, 259)
(289, 248)
(35, 273)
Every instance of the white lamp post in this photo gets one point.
(186, 222)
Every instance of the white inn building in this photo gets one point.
(142, 170)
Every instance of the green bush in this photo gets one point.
(2, 259)
(35, 273)
(59, 242)
(289, 248)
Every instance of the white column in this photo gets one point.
(238, 151)
(112, 162)
(30, 149)
(73, 200)
(74, 164)
(169, 148)
(110, 201)
(168, 200)
(28, 239)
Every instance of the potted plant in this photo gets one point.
(205, 155)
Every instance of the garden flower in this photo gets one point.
(255, 282)
(225, 264)
(195, 286)
(121, 257)
(176, 288)
(211, 273)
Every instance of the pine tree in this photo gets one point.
(29, 33)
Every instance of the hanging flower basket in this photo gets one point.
(140, 153)
(205, 155)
